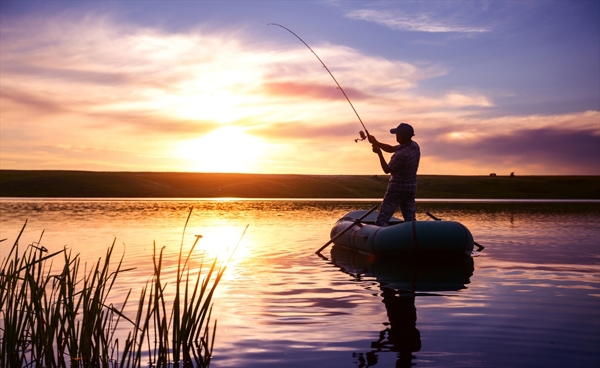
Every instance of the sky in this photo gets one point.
(209, 86)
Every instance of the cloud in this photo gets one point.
(314, 91)
(547, 149)
(399, 20)
(86, 92)
(555, 144)
(150, 123)
(298, 131)
(107, 75)
(42, 104)
(461, 100)
(16, 68)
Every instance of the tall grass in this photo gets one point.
(63, 316)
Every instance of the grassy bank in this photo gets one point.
(16, 183)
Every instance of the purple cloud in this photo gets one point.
(314, 91)
(558, 148)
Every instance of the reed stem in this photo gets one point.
(68, 318)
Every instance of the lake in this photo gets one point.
(530, 298)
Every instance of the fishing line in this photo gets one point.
(363, 137)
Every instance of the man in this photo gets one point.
(403, 166)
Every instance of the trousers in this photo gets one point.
(391, 202)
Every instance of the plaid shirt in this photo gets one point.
(403, 165)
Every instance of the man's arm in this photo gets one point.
(386, 147)
(384, 164)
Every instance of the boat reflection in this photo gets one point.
(400, 282)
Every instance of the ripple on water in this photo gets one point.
(531, 298)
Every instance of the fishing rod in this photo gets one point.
(362, 135)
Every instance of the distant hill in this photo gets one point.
(74, 184)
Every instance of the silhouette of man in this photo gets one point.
(403, 166)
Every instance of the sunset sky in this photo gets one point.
(208, 86)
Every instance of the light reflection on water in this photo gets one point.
(531, 299)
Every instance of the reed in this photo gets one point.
(63, 317)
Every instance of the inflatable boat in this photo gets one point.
(357, 230)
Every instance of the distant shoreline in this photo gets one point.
(93, 184)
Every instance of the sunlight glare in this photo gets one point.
(219, 242)
(218, 91)
(217, 106)
(227, 149)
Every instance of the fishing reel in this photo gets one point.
(363, 136)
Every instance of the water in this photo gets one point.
(530, 298)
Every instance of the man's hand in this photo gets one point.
(376, 149)
(372, 139)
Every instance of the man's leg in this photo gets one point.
(408, 206)
(388, 207)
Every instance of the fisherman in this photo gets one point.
(403, 165)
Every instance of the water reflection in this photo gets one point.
(400, 282)
(537, 282)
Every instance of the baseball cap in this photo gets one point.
(404, 130)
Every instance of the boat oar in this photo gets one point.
(479, 246)
(355, 223)
(433, 217)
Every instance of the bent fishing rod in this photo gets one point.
(362, 135)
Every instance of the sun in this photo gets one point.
(226, 149)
